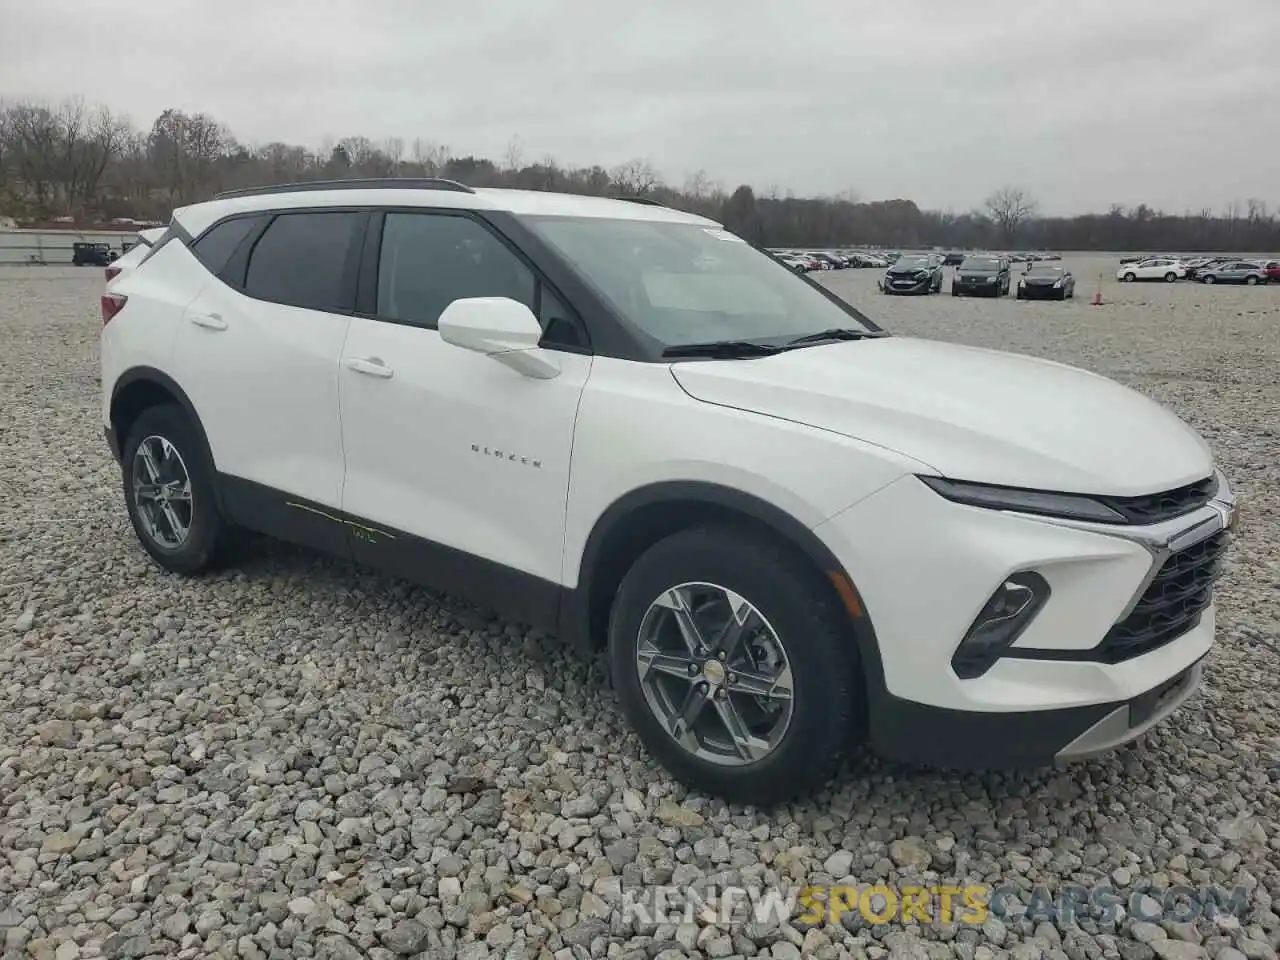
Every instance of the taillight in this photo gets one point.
(112, 303)
(112, 273)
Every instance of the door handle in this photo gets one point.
(370, 366)
(210, 321)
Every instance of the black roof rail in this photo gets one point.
(647, 201)
(367, 183)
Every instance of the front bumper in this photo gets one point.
(991, 287)
(1037, 292)
(964, 740)
(907, 286)
(924, 567)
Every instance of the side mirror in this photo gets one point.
(501, 328)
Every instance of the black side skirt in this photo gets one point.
(515, 594)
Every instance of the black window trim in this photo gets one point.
(370, 260)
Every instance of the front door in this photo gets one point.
(457, 467)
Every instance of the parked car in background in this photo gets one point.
(1250, 272)
(986, 276)
(795, 263)
(1273, 271)
(914, 273)
(1157, 269)
(87, 254)
(1194, 267)
(953, 259)
(1046, 281)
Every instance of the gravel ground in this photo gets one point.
(297, 758)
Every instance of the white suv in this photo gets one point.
(625, 424)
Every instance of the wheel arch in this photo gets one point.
(643, 517)
(141, 387)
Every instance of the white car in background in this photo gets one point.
(135, 254)
(1156, 269)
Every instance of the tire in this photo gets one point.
(1170, 277)
(955, 293)
(202, 546)
(1209, 278)
(1251, 281)
(811, 626)
(1129, 277)
(1019, 295)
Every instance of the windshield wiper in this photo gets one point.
(835, 333)
(722, 349)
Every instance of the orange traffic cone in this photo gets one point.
(1097, 297)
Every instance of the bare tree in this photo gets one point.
(698, 185)
(184, 149)
(1011, 208)
(635, 177)
(513, 157)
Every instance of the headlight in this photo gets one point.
(1071, 506)
(1057, 283)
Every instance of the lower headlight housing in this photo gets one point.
(1001, 621)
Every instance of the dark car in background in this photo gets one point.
(1273, 271)
(984, 276)
(953, 259)
(914, 273)
(1046, 281)
(86, 254)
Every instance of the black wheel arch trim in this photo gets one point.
(145, 374)
(575, 611)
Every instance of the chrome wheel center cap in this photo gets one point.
(713, 672)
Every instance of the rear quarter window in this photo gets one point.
(219, 242)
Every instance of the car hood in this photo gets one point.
(916, 268)
(970, 414)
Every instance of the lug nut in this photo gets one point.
(693, 669)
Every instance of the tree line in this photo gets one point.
(89, 163)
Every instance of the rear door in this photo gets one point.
(258, 356)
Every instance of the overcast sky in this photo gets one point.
(1084, 103)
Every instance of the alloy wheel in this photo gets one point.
(162, 492)
(715, 674)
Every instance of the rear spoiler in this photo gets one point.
(149, 237)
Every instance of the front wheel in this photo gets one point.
(1210, 279)
(1251, 281)
(169, 491)
(734, 665)
(1129, 277)
(1170, 277)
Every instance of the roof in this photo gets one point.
(197, 217)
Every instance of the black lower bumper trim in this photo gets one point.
(911, 732)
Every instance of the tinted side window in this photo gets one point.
(214, 249)
(429, 260)
(301, 260)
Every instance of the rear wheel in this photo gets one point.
(734, 665)
(1170, 277)
(1251, 281)
(1209, 278)
(169, 491)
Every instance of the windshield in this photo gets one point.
(1045, 272)
(912, 262)
(683, 283)
(980, 263)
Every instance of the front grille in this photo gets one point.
(1171, 605)
(1154, 507)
